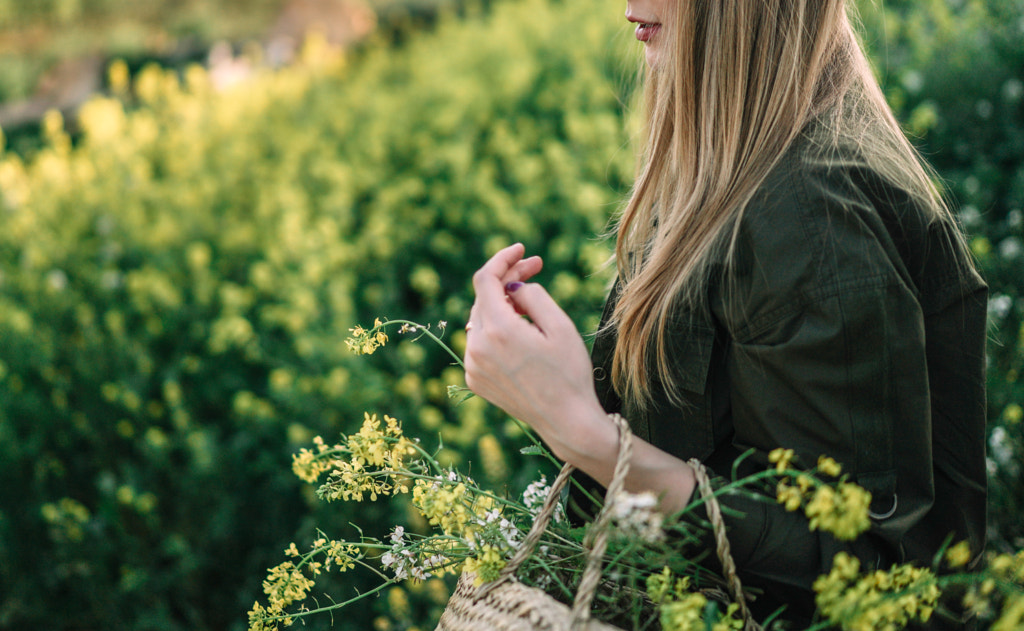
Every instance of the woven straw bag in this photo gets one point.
(505, 604)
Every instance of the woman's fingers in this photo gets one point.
(533, 301)
(489, 285)
(524, 270)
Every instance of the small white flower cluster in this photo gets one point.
(404, 561)
(509, 531)
(535, 495)
(637, 515)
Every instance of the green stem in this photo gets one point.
(348, 602)
(424, 331)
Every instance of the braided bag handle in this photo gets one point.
(596, 544)
(722, 547)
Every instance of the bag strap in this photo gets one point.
(722, 547)
(596, 541)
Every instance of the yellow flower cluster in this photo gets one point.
(447, 502)
(341, 555)
(384, 448)
(364, 342)
(287, 583)
(307, 466)
(1012, 618)
(444, 504)
(680, 609)
(876, 601)
(781, 458)
(487, 564)
(842, 510)
(1005, 573)
(959, 555)
(1008, 567)
(67, 519)
(376, 456)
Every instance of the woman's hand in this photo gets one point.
(536, 367)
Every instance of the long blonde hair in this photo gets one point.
(737, 82)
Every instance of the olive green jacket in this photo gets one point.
(855, 328)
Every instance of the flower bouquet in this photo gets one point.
(521, 563)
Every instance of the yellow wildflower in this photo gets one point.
(805, 482)
(487, 564)
(376, 457)
(285, 584)
(829, 467)
(1012, 617)
(365, 342)
(844, 513)
(685, 614)
(443, 504)
(679, 609)
(782, 458)
(341, 555)
(977, 601)
(959, 555)
(878, 601)
(308, 465)
(1000, 564)
(789, 496)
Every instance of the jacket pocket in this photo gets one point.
(681, 423)
(690, 358)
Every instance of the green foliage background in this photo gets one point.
(177, 283)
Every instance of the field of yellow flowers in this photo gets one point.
(178, 278)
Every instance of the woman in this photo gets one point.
(788, 277)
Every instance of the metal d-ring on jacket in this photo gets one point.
(854, 329)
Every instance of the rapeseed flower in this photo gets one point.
(782, 458)
(365, 342)
(1012, 617)
(375, 456)
(444, 503)
(844, 513)
(842, 509)
(680, 609)
(959, 555)
(829, 467)
(487, 564)
(878, 600)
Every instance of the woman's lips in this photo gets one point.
(645, 31)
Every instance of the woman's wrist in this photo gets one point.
(594, 449)
(591, 441)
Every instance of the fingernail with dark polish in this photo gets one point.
(511, 287)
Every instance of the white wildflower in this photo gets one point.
(535, 495)
(403, 562)
(637, 515)
(398, 535)
(510, 532)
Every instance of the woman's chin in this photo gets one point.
(651, 54)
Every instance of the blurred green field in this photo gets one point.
(178, 276)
